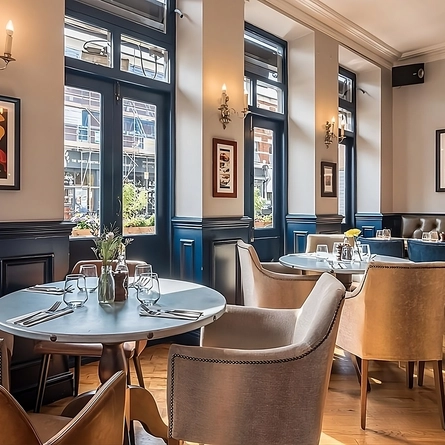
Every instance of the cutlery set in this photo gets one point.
(49, 289)
(181, 314)
(38, 317)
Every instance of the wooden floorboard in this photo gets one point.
(396, 415)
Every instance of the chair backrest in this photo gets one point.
(420, 251)
(329, 239)
(130, 263)
(390, 247)
(397, 313)
(15, 427)
(262, 396)
(101, 421)
(264, 288)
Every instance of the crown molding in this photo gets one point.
(317, 16)
(427, 54)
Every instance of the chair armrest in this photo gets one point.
(276, 267)
(251, 328)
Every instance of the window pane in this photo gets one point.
(87, 42)
(346, 117)
(269, 97)
(146, 12)
(139, 167)
(82, 130)
(263, 177)
(248, 89)
(344, 88)
(144, 59)
(263, 57)
(341, 181)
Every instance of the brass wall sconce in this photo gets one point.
(7, 56)
(226, 111)
(330, 135)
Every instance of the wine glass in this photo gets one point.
(434, 236)
(91, 280)
(322, 251)
(426, 236)
(139, 270)
(148, 290)
(75, 293)
(379, 234)
(365, 252)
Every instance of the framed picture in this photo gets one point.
(440, 160)
(328, 179)
(224, 168)
(9, 143)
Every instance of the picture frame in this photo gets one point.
(9, 143)
(224, 168)
(440, 160)
(329, 179)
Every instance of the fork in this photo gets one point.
(51, 310)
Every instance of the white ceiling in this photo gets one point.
(397, 31)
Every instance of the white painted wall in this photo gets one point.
(37, 79)
(419, 110)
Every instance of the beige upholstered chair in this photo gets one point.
(264, 288)
(261, 375)
(132, 349)
(101, 421)
(397, 314)
(329, 239)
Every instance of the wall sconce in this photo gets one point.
(7, 57)
(330, 135)
(226, 111)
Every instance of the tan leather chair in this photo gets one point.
(397, 314)
(132, 349)
(101, 421)
(261, 376)
(264, 288)
(329, 239)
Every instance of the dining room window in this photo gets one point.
(117, 125)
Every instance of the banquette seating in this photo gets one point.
(420, 251)
(414, 225)
(391, 247)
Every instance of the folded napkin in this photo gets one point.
(46, 290)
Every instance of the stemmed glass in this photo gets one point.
(426, 236)
(91, 280)
(322, 252)
(365, 252)
(148, 291)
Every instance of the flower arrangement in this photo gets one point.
(108, 245)
(85, 221)
(354, 233)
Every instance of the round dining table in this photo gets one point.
(114, 324)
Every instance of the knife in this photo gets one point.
(47, 317)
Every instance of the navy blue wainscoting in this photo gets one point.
(204, 251)
(297, 229)
(368, 223)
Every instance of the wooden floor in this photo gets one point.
(396, 414)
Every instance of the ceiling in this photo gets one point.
(398, 31)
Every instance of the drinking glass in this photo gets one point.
(75, 293)
(434, 236)
(139, 270)
(91, 280)
(386, 233)
(148, 290)
(426, 236)
(379, 234)
(365, 252)
(322, 251)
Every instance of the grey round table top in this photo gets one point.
(309, 261)
(113, 323)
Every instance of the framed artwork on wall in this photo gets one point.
(9, 143)
(440, 160)
(328, 179)
(224, 168)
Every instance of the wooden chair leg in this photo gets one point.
(77, 364)
(138, 368)
(410, 374)
(357, 362)
(363, 393)
(43, 375)
(438, 380)
(420, 372)
(171, 441)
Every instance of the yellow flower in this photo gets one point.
(352, 232)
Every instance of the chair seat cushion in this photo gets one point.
(47, 425)
(82, 349)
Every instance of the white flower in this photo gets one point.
(109, 236)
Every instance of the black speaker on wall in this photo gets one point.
(408, 74)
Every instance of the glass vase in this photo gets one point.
(106, 287)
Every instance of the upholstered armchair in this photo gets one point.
(397, 314)
(132, 349)
(261, 375)
(265, 288)
(101, 421)
(329, 239)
